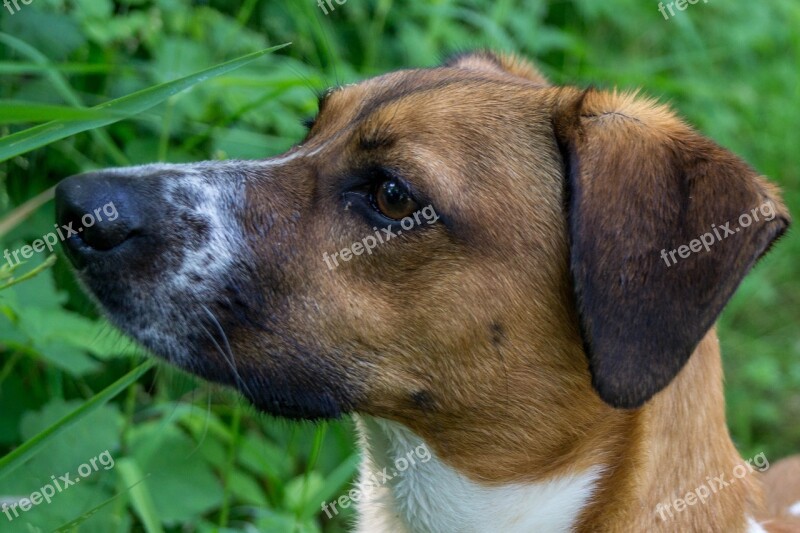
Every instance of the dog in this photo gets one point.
(547, 332)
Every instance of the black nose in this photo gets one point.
(95, 212)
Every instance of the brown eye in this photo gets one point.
(394, 201)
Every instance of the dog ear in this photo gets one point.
(491, 61)
(663, 226)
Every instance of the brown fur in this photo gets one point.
(497, 333)
(477, 334)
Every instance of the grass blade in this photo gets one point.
(63, 87)
(141, 499)
(30, 139)
(17, 68)
(16, 458)
(74, 524)
(20, 112)
(22, 212)
(7, 278)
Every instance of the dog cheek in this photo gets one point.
(301, 382)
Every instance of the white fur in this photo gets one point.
(432, 497)
(754, 527)
(225, 240)
(215, 190)
(794, 510)
(291, 156)
(213, 193)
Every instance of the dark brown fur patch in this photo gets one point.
(635, 167)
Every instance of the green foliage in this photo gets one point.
(190, 456)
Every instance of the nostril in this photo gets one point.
(87, 212)
(104, 235)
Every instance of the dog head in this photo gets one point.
(444, 240)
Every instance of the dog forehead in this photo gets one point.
(448, 110)
(445, 87)
(478, 144)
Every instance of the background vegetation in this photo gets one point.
(192, 457)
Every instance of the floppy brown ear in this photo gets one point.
(660, 239)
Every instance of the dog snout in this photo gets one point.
(96, 212)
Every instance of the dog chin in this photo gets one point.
(274, 392)
(290, 393)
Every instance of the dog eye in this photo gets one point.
(393, 200)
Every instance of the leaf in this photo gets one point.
(173, 466)
(87, 438)
(21, 68)
(41, 291)
(84, 442)
(99, 9)
(264, 457)
(296, 495)
(16, 400)
(81, 504)
(29, 448)
(53, 328)
(36, 137)
(246, 489)
(62, 38)
(65, 357)
(270, 520)
(332, 485)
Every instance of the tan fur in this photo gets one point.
(480, 352)
(782, 491)
(512, 402)
(684, 439)
(469, 332)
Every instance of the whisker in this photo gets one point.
(227, 353)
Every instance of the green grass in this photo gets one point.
(192, 457)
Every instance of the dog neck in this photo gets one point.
(431, 496)
(678, 444)
(629, 481)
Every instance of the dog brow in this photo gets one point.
(372, 139)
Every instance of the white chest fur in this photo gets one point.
(431, 497)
